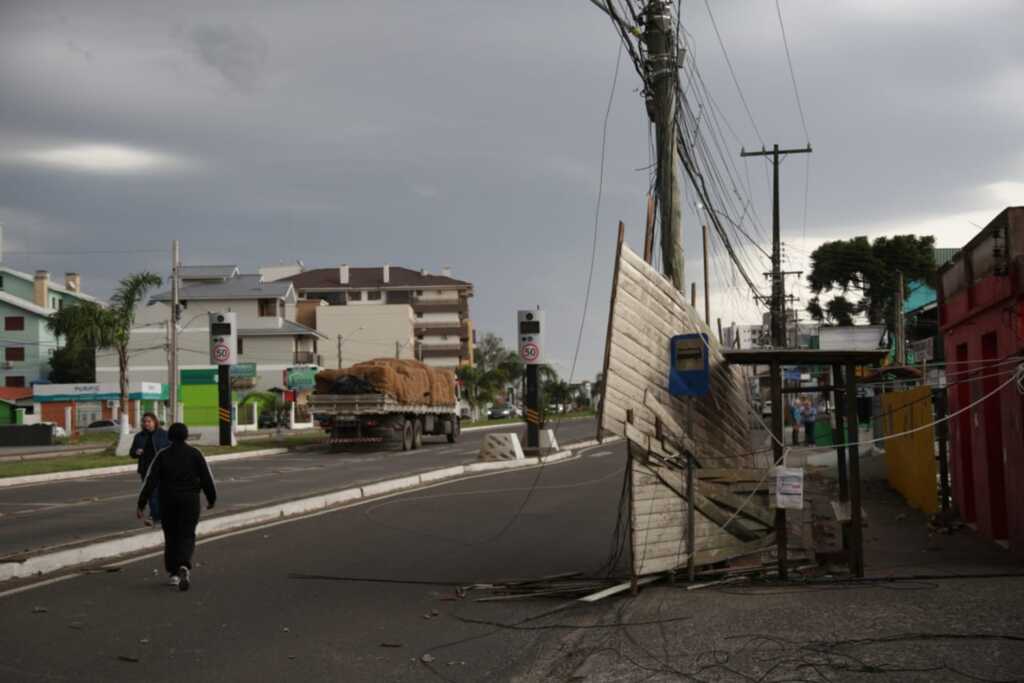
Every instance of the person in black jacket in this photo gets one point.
(179, 472)
(146, 444)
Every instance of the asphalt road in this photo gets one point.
(248, 618)
(42, 517)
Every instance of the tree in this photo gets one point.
(88, 325)
(73, 365)
(870, 270)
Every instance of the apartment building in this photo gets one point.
(26, 301)
(442, 328)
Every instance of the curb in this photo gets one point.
(7, 482)
(47, 563)
(518, 423)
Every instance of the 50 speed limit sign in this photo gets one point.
(529, 352)
(221, 353)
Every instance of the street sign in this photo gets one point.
(223, 338)
(243, 370)
(689, 372)
(300, 378)
(530, 331)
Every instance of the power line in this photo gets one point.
(792, 74)
(732, 71)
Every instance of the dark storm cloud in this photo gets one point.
(468, 134)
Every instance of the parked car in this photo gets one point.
(58, 431)
(267, 421)
(103, 426)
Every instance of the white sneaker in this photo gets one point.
(173, 581)
(184, 578)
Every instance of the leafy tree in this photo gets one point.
(73, 365)
(869, 270)
(87, 325)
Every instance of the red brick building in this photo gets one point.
(981, 315)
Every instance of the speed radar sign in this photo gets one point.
(529, 352)
(530, 329)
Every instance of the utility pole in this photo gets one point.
(778, 286)
(662, 80)
(339, 351)
(707, 286)
(173, 376)
(398, 349)
(792, 301)
(900, 323)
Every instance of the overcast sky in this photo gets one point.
(468, 133)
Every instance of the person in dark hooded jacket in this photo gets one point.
(146, 444)
(179, 472)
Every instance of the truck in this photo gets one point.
(353, 413)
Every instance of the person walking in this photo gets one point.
(179, 472)
(810, 416)
(146, 444)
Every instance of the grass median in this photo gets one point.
(71, 463)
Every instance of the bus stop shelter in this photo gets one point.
(843, 365)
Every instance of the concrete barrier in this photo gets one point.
(501, 447)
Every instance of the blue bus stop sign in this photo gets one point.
(689, 371)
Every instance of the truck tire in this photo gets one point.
(407, 435)
(453, 436)
(417, 433)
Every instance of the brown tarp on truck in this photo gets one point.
(407, 381)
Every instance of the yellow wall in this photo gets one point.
(910, 458)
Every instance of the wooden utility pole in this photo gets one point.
(398, 349)
(778, 286)
(173, 377)
(693, 294)
(707, 285)
(339, 351)
(649, 230)
(662, 80)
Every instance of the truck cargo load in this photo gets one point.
(409, 382)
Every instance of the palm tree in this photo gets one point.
(88, 324)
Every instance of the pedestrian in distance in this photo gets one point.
(796, 415)
(810, 416)
(146, 444)
(179, 472)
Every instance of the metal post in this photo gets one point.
(839, 400)
(856, 533)
(942, 434)
(532, 408)
(224, 403)
(173, 376)
(339, 351)
(781, 541)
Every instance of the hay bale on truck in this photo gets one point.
(386, 400)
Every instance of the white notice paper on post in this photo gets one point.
(789, 488)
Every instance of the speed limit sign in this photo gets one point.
(529, 352)
(221, 353)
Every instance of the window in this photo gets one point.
(15, 382)
(267, 308)
(355, 296)
(419, 315)
(241, 346)
(373, 295)
(14, 323)
(419, 292)
(332, 298)
(15, 353)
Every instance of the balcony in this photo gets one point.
(437, 329)
(307, 358)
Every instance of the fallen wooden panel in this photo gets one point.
(731, 514)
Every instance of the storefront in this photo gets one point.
(76, 406)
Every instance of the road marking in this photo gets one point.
(600, 454)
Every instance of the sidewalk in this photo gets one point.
(942, 627)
